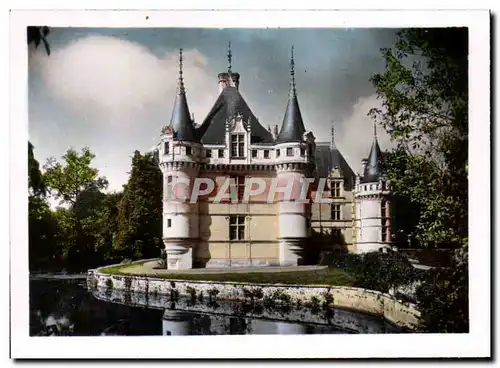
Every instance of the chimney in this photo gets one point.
(224, 80)
(275, 132)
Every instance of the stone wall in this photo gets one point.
(367, 301)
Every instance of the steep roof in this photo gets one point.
(229, 104)
(327, 158)
(181, 122)
(292, 128)
(373, 168)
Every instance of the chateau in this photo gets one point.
(232, 150)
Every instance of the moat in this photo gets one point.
(64, 306)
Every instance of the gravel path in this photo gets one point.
(148, 269)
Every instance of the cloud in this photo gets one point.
(113, 81)
(354, 134)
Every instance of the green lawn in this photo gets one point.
(335, 277)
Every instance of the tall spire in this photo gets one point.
(292, 129)
(332, 143)
(180, 87)
(229, 66)
(374, 130)
(293, 90)
(229, 58)
(181, 122)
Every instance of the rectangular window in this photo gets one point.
(239, 181)
(302, 151)
(335, 189)
(383, 209)
(278, 152)
(166, 148)
(237, 228)
(188, 150)
(209, 153)
(238, 145)
(266, 153)
(336, 212)
(221, 152)
(254, 153)
(169, 222)
(169, 179)
(289, 151)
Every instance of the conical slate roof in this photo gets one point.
(181, 122)
(373, 168)
(292, 129)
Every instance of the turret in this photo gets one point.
(372, 196)
(294, 163)
(179, 156)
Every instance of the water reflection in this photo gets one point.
(64, 307)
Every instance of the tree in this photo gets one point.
(42, 232)
(68, 181)
(36, 185)
(424, 109)
(37, 35)
(424, 93)
(77, 185)
(140, 210)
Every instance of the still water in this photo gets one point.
(63, 306)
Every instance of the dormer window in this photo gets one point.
(188, 150)
(266, 153)
(238, 145)
(289, 151)
(335, 189)
(166, 148)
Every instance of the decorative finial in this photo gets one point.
(229, 58)
(181, 80)
(293, 91)
(374, 130)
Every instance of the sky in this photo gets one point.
(112, 90)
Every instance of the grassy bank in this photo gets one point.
(334, 277)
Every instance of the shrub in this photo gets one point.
(443, 300)
(109, 283)
(128, 283)
(192, 293)
(328, 300)
(380, 271)
(212, 293)
(314, 304)
(281, 296)
(162, 261)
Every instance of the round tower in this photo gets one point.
(294, 162)
(179, 157)
(372, 195)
